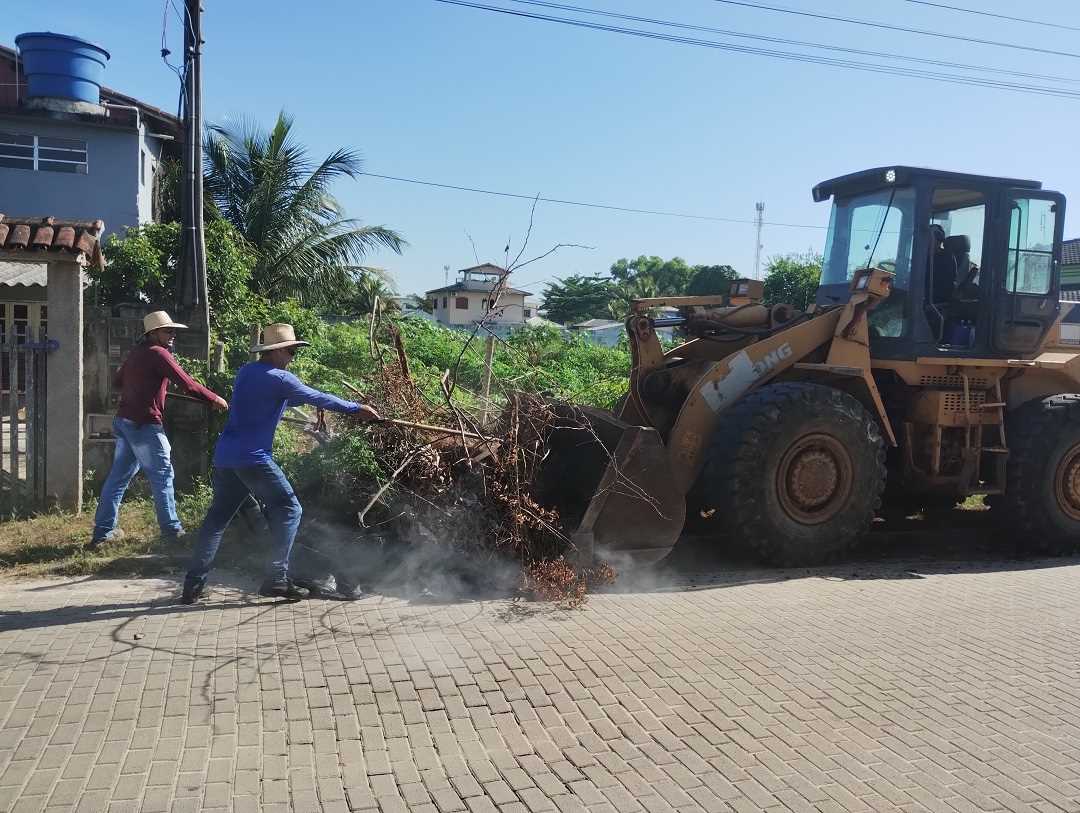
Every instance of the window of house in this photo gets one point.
(461, 303)
(142, 167)
(528, 313)
(444, 301)
(21, 151)
(435, 304)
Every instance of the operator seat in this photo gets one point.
(958, 246)
(942, 273)
(945, 266)
(965, 305)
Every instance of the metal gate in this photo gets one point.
(23, 370)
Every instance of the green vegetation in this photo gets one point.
(793, 279)
(279, 199)
(55, 544)
(577, 298)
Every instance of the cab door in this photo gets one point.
(1028, 274)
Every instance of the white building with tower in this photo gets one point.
(482, 293)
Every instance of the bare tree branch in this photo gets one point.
(552, 250)
(528, 233)
(472, 242)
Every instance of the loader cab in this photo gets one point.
(977, 260)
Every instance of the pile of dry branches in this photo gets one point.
(466, 486)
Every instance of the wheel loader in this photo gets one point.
(936, 362)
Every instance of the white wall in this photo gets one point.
(151, 147)
(510, 310)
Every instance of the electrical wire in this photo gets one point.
(181, 72)
(800, 43)
(995, 15)
(866, 67)
(563, 202)
(185, 22)
(900, 28)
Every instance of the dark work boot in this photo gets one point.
(348, 589)
(193, 590)
(283, 588)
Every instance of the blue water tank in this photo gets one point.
(62, 66)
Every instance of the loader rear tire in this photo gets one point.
(1042, 477)
(796, 472)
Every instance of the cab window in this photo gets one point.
(957, 228)
(1031, 246)
(874, 229)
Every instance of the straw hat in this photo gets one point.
(276, 336)
(158, 320)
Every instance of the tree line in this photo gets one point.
(791, 278)
(274, 232)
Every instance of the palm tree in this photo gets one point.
(640, 287)
(278, 198)
(370, 286)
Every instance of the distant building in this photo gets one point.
(540, 321)
(607, 332)
(409, 304)
(472, 299)
(1070, 265)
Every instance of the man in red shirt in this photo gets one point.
(140, 440)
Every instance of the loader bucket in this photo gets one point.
(612, 487)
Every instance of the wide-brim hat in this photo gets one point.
(277, 336)
(157, 320)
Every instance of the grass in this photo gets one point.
(55, 544)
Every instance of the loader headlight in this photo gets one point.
(890, 176)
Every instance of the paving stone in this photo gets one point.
(802, 692)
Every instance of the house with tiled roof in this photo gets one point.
(82, 153)
(71, 149)
(1070, 265)
(482, 294)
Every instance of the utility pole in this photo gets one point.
(759, 221)
(192, 291)
(193, 302)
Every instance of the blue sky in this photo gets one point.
(464, 97)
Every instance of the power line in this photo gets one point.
(903, 29)
(165, 55)
(563, 202)
(801, 43)
(981, 13)
(866, 67)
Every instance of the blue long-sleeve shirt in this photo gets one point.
(260, 395)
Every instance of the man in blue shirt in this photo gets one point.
(243, 464)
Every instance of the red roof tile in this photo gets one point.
(78, 239)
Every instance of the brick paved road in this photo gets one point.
(952, 691)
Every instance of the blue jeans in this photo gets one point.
(138, 447)
(268, 484)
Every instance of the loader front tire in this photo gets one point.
(795, 472)
(1042, 476)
